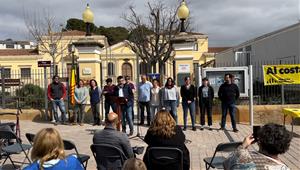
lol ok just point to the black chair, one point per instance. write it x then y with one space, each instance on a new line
164 158
108 156
217 161
15 148
83 158
30 137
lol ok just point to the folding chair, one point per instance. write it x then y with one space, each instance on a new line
164 158
15 148
217 161
108 156
83 158
30 137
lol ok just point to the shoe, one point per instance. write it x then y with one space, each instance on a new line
94 124
142 123
81 124
194 129
55 123
209 128
222 128
184 129
131 133
235 130
74 123
201 128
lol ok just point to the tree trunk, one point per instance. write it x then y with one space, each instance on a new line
154 67
161 71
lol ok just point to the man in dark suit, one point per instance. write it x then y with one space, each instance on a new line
125 98
109 135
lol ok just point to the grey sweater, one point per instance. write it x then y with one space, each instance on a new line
81 95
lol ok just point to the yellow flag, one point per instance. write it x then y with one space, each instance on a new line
72 87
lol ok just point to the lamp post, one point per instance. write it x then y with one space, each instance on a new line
88 18
183 13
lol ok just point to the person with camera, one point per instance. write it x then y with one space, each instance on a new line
272 140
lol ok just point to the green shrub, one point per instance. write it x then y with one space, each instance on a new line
31 96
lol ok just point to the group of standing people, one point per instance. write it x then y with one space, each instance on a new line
151 97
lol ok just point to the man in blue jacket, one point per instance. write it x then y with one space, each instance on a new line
125 98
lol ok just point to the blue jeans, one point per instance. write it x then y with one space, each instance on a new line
171 106
153 110
127 115
231 108
61 105
185 108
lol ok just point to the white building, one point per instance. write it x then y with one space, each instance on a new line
11 44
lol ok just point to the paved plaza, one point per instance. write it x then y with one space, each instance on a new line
200 143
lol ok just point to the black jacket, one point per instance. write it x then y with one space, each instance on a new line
211 95
188 94
228 93
176 141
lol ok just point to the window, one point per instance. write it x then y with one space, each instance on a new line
110 69
25 72
6 73
143 68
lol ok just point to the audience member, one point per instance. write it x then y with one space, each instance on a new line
80 95
48 153
206 97
164 132
95 97
109 135
169 97
134 164
144 88
272 140
188 94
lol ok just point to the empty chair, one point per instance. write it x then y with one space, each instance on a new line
165 158
108 156
83 158
217 161
15 148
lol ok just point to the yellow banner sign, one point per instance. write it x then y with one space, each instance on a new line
281 74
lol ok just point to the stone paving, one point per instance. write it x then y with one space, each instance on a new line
202 143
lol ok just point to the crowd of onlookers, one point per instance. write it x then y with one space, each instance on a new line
151 96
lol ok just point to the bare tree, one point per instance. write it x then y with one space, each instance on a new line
48 35
151 34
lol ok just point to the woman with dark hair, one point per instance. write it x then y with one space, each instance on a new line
169 97
272 140
80 95
95 97
164 132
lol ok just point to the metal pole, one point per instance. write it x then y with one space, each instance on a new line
3 87
45 98
251 94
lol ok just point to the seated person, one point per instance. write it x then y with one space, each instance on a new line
48 153
164 132
109 135
272 140
134 164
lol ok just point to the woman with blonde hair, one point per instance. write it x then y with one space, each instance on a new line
134 164
164 132
48 153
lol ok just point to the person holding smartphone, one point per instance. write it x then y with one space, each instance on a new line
272 140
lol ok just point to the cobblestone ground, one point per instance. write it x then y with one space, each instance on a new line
201 145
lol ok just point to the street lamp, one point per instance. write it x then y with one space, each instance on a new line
183 13
88 18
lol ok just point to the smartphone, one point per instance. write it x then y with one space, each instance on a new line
255 132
